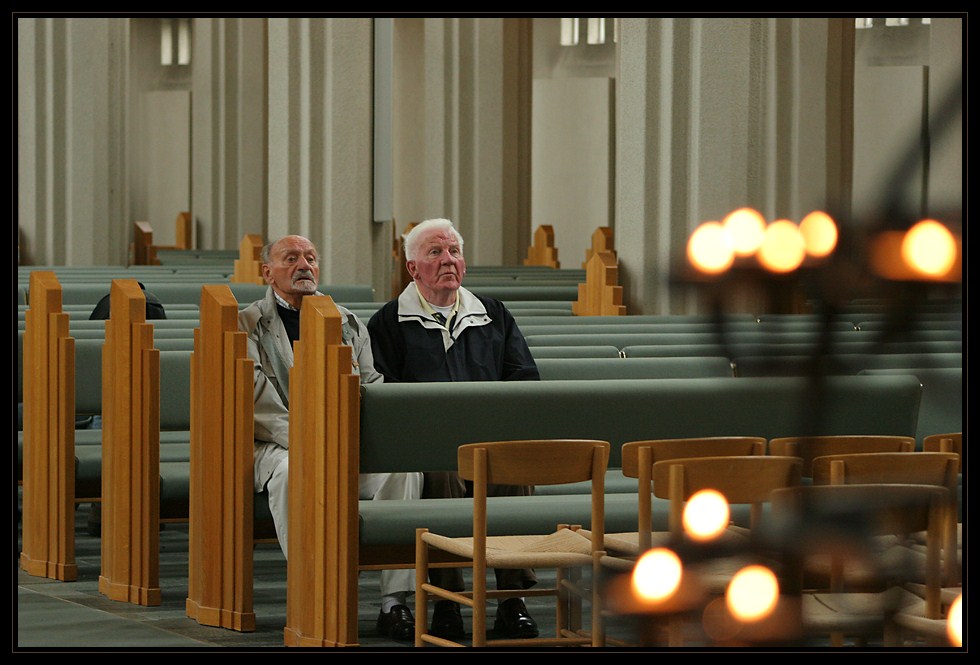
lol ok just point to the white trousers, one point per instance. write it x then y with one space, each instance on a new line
376 486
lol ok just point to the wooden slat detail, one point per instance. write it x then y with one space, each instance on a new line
542 251
221 494
601 294
130 451
48 541
602 241
248 265
324 458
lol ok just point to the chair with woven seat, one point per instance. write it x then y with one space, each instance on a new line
851 526
919 468
809 447
923 468
951 442
531 462
638 458
740 479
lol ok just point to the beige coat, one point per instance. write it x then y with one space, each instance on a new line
269 348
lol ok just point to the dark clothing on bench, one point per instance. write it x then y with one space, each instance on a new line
482 342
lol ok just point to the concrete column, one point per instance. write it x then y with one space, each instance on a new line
320 141
461 133
712 115
228 124
71 131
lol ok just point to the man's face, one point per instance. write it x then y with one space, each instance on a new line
438 267
293 270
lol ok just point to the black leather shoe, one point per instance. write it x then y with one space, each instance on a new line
398 624
447 621
513 620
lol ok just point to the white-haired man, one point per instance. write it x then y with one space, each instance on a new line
436 330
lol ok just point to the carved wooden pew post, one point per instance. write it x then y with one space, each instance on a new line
542 251
601 294
143 253
602 241
324 435
248 267
221 493
184 230
130 451
48 548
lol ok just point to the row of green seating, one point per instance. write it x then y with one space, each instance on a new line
395 424
941 379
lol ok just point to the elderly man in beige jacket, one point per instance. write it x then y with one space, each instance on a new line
290 266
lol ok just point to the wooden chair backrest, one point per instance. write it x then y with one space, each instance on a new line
951 442
535 462
638 455
918 468
861 511
748 479
809 447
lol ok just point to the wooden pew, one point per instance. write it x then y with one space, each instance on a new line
221 494
48 548
323 478
341 431
542 251
144 251
130 451
601 294
602 241
248 266
361 535
142 247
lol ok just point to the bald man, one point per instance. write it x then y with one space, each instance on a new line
290 266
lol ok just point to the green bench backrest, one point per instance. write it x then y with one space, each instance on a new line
419 426
564 369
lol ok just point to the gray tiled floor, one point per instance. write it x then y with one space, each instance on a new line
56 616
53 615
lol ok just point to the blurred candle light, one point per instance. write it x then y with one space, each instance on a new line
710 249
819 234
752 593
954 622
657 575
747 227
929 248
783 248
706 515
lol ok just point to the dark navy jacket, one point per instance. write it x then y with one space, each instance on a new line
481 343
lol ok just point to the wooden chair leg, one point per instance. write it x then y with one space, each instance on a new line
421 595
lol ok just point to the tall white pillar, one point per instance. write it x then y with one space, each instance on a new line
320 141
713 115
461 133
228 124
71 128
